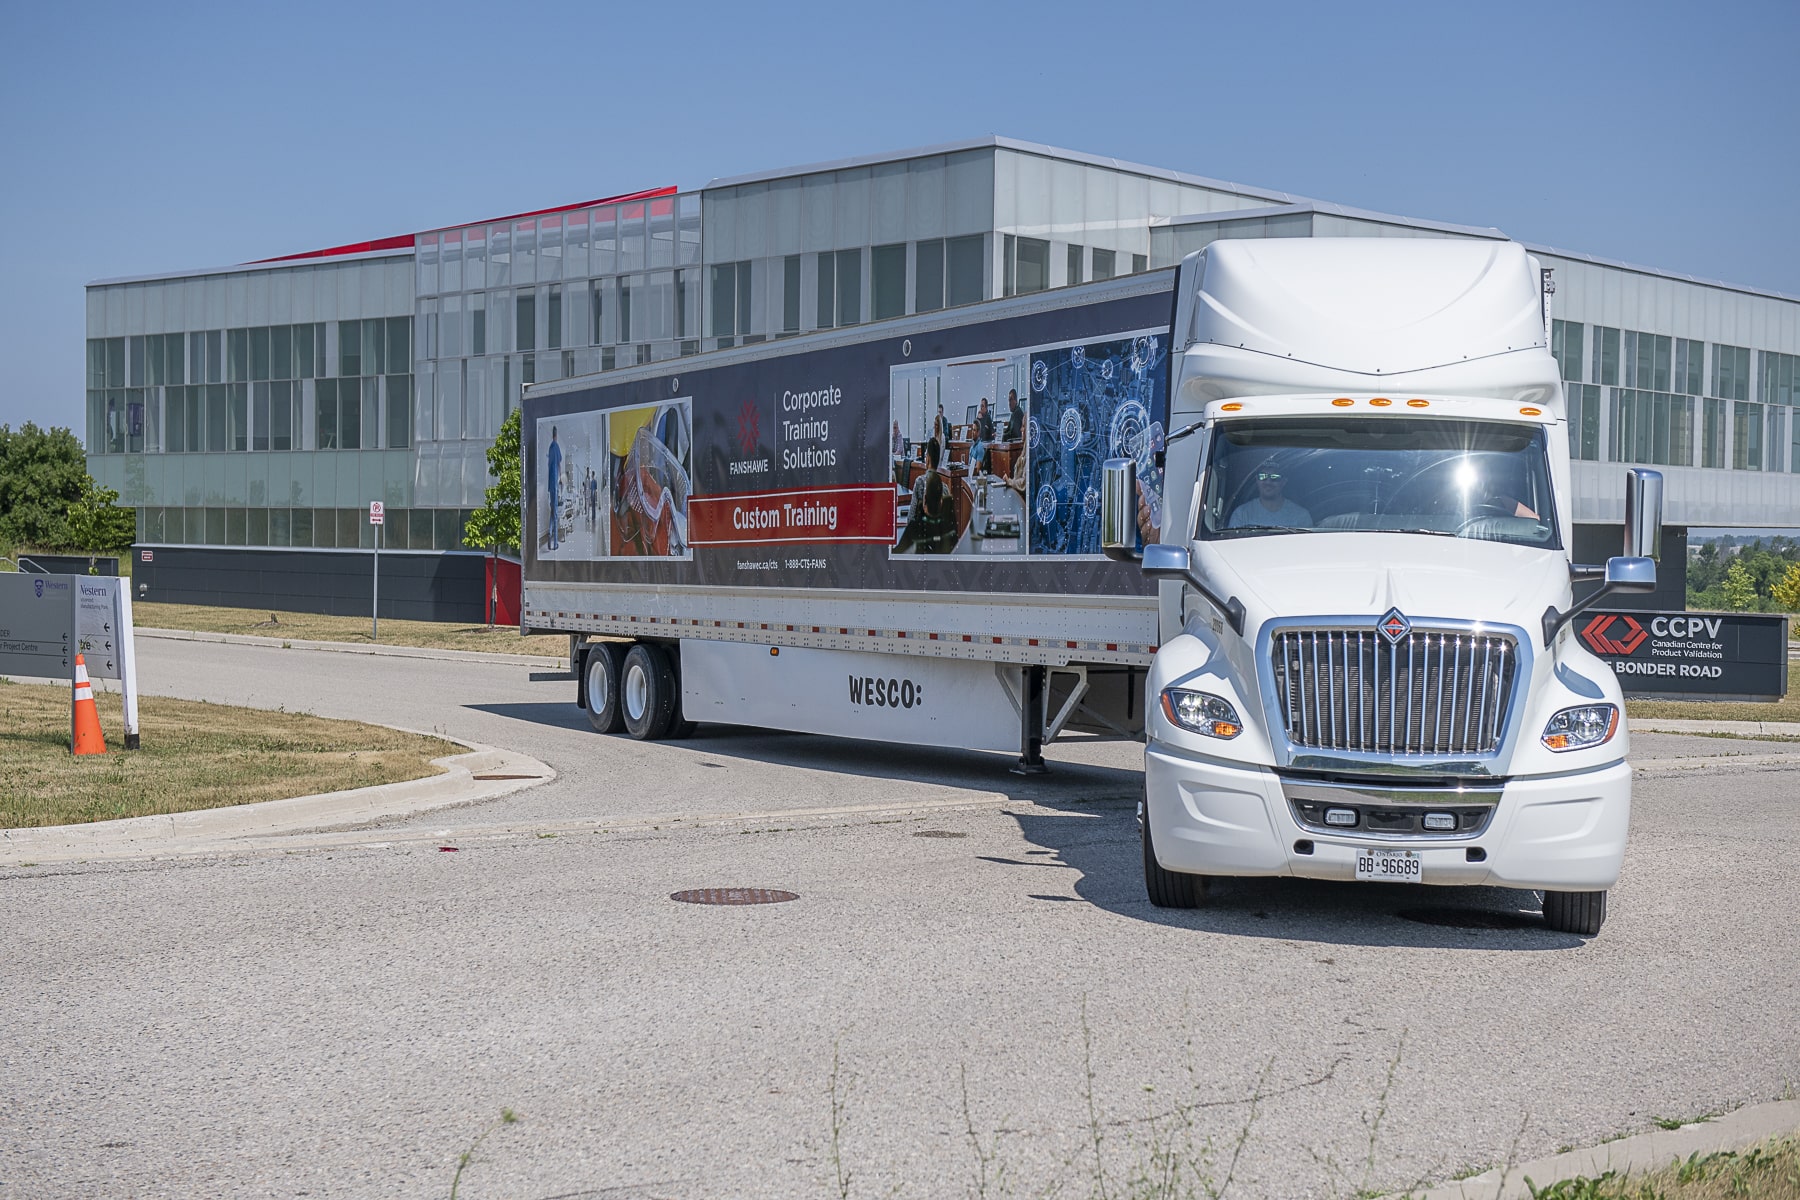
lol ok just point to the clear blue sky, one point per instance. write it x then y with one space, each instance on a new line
144 138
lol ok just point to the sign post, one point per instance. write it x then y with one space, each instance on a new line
377 518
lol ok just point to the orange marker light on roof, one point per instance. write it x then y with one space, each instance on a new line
1343 402
1234 406
1381 402
1418 404
1532 412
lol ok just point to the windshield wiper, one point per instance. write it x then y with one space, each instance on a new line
1253 530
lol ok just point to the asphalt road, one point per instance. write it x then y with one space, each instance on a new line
347 1020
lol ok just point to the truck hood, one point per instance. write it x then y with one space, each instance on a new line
1367 573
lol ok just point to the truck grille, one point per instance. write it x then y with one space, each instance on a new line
1429 693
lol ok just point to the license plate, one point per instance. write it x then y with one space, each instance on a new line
1390 866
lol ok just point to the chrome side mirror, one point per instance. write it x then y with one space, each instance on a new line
1118 510
1630 574
1643 514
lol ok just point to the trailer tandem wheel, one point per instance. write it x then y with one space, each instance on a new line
601 670
647 692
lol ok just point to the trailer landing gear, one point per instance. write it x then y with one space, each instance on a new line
1031 726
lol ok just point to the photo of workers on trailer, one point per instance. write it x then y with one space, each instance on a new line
1000 454
650 472
571 510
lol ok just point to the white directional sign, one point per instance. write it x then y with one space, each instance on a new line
98 602
36 612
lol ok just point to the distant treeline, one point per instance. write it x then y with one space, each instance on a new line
1744 574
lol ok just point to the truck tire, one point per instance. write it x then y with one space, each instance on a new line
600 679
647 692
1575 912
1169 889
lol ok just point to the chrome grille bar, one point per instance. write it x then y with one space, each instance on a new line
1443 693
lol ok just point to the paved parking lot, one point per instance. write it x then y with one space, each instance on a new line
972 951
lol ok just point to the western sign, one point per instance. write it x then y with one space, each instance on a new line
1681 655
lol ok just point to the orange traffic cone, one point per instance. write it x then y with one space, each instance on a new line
88 738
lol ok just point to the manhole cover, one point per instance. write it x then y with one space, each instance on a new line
1470 918
939 833
733 896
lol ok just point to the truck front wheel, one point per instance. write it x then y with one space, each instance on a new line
1169 889
647 692
602 687
1575 912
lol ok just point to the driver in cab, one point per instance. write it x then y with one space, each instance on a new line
1271 507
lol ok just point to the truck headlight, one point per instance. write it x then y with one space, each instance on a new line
1201 712
1579 728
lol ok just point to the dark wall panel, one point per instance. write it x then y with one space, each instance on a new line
416 587
1597 543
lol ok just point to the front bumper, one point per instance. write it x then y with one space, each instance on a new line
1562 832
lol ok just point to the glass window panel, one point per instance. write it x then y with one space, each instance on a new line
154 371
371 412
115 362
887 281
137 362
134 420
475 258
550 248
688 218
259 416
928 272
301 339
96 360
175 425
300 527
237 431
631 237
448 532
687 305
525 320
1140 263
964 269
281 416
280 527
553 319
524 252
724 300
259 352
1073 273
174 345
418 528
1009 266
477 329
197 357
1034 265
575 244
325 408
1746 436
258 532
450 262
603 251
399 411
662 232
790 294
237 355
215 356
746 313
626 328
214 526
374 347
399 344
236 522
349 348
349 430
849 287
427 256
499 272
351 525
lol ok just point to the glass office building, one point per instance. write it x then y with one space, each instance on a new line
265 405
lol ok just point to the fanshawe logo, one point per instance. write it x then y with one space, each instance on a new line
37 588
1594 633
1394 626
749 428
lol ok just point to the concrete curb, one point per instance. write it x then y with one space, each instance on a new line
484 773
1634 1155
1734 728
276 643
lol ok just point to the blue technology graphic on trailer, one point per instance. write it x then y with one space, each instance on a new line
1088 404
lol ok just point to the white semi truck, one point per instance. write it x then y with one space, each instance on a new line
1296 513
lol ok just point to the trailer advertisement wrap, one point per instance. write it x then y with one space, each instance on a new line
956 459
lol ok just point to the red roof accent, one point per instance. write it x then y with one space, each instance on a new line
405 241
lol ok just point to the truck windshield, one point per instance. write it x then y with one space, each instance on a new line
1293 475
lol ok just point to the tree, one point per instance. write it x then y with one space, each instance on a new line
495 525
1787 592
1739 588
95 522
42 472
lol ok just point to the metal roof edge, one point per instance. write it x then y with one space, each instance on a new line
1639 269
1337 210
289 265
997 142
